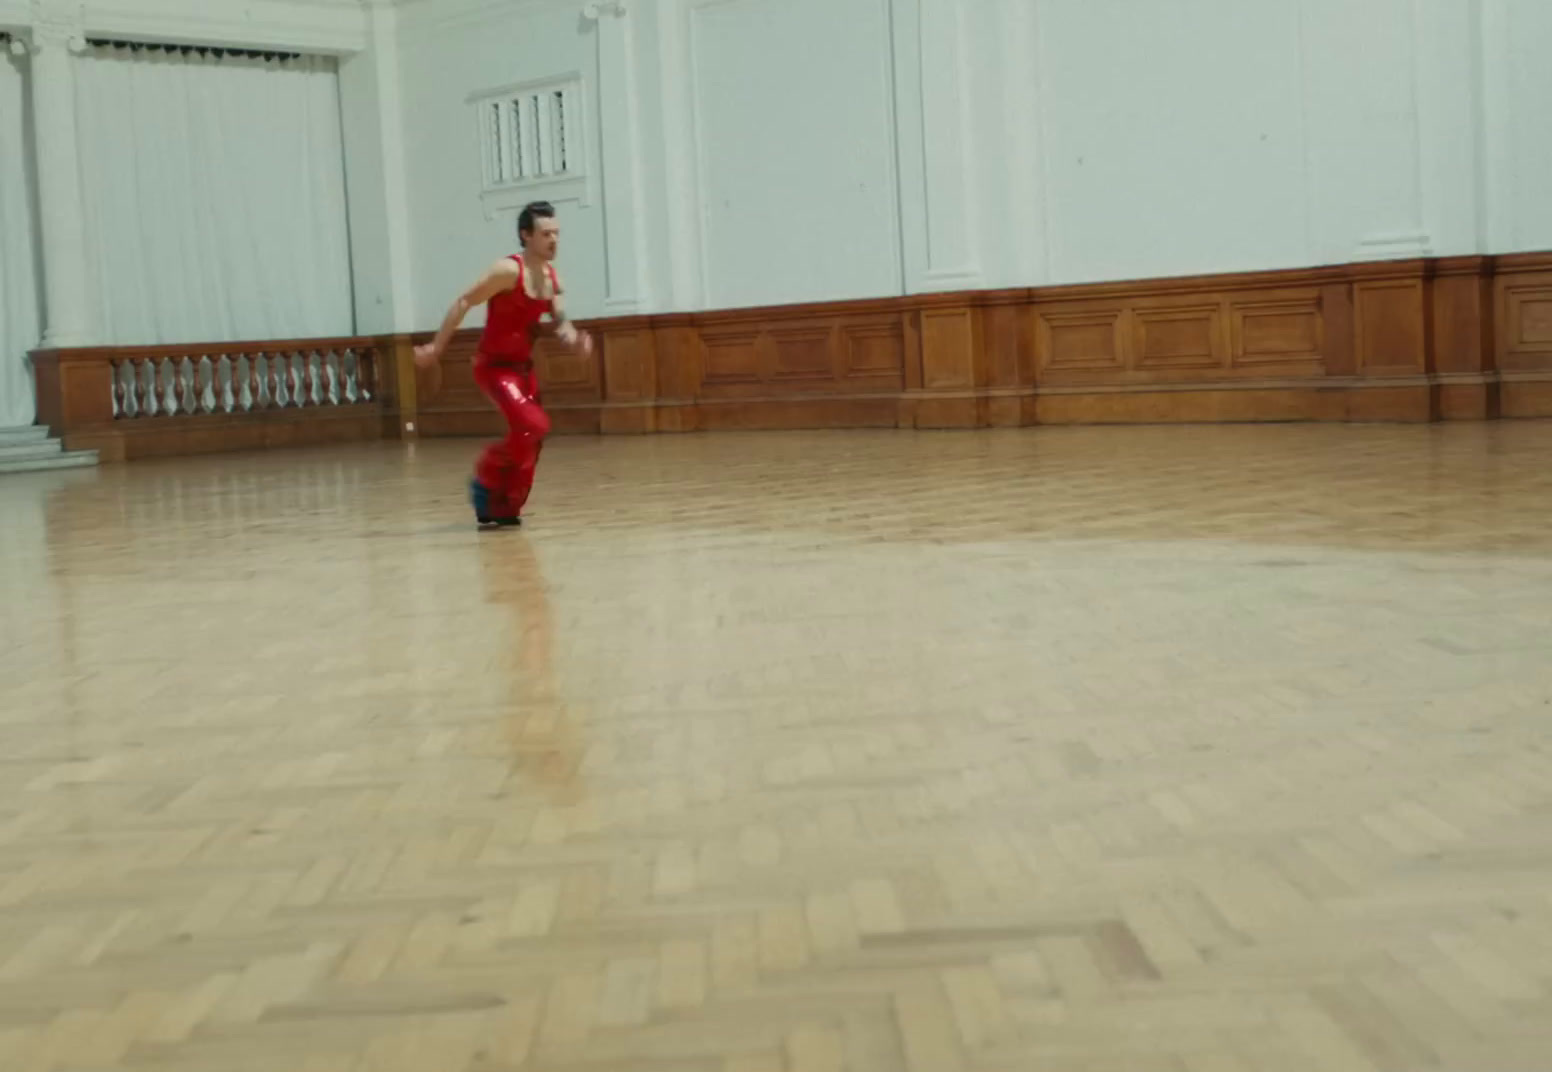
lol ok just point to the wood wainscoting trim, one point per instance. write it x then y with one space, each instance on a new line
1400 340
1453 338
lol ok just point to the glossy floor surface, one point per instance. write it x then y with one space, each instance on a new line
1134 750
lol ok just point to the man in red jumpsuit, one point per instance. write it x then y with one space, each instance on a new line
518 291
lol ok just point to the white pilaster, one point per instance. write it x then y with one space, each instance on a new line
620 135
681 155
61 216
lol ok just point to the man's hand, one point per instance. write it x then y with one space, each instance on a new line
578 342
426 355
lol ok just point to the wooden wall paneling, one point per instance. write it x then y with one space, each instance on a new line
680 362
911 351
566 376
1449 338
948 367
1388 401
1338 331
628 355
1464 361
1391 323
49 391
450 404
1524 329
806 355
401 383
1277 333
1524 396
1525 315
1082 342
1144 405
872 353
75 389
737 359
1171 336
948 348
999 374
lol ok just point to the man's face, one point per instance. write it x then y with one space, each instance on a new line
544 240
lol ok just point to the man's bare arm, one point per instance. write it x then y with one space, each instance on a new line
499 277
565 330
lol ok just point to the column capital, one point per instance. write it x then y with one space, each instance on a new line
594 11
56 25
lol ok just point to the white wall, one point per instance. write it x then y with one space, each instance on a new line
442 61
792 135
1517 39
790 150
762 151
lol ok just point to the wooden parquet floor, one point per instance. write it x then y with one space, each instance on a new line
1086 750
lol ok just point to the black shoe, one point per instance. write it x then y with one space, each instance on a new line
479 498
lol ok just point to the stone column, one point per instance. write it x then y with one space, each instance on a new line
62 218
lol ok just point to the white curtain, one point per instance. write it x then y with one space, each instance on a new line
20 273
215 196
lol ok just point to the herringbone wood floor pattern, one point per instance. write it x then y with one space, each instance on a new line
1134 750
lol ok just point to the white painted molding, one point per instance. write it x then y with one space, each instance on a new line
619 139
681 154
1025 102
954 278
1415 71
427 14
1496 119
324 29
1393 246
510 199
947 118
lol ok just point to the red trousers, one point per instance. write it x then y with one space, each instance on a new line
506 468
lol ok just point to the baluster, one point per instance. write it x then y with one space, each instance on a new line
240 379
368 361
351 367
168 371
117 391
145 387
314 374
331 377
277 378
225 372
205 382
127 389
304 383
190 374
260 363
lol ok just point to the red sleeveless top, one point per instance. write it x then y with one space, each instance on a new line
509 318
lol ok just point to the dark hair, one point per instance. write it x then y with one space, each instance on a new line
537 210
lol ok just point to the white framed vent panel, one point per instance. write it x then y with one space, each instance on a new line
533 143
